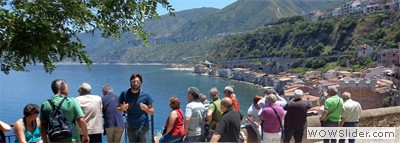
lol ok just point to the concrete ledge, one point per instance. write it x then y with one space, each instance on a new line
380 117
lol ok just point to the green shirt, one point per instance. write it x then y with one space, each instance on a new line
217 113
71 110
334 105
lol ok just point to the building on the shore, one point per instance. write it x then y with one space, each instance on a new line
203 67
214 72
225 73
200 69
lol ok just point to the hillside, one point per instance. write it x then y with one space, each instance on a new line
305 38
244 15
240 16
167 25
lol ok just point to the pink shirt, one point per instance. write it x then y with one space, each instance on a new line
271 122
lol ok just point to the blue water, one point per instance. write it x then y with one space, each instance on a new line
20 88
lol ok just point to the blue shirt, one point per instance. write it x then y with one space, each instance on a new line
137 118
112 118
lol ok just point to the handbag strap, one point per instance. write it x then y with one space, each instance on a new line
135 98
108 103
337 105
279 118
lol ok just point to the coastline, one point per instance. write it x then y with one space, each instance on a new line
230 79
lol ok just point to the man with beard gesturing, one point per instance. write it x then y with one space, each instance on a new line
138 104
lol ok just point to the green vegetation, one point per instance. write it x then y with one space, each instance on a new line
336 39
46 31
296 38
299 38
244 15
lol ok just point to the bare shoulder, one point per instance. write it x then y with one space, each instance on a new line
18 124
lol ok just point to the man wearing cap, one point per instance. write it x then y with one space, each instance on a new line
264 102
296 117
228 92
194 117
91 106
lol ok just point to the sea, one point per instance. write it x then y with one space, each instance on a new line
20 88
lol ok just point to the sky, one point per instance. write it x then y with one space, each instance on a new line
180 5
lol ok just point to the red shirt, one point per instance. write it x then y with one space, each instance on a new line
235 103
177 128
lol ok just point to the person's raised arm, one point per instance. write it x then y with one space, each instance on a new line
4 127
82 124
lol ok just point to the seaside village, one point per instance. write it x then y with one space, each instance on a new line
358 7
372 87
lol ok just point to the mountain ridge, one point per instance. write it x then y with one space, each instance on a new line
200 24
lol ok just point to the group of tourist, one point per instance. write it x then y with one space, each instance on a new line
218 120
269 120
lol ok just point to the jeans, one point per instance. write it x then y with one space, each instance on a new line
328 123
349 124
138 135
200 138
297 133
169 138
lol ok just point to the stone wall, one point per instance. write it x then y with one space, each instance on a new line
365 96
380 117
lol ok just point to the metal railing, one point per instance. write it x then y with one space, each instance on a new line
8 138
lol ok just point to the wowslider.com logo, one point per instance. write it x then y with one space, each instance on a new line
351 132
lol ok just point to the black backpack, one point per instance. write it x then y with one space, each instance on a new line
59 127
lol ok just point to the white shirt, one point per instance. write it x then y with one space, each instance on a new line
264 103
254 112
351 110
91 106
195 111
